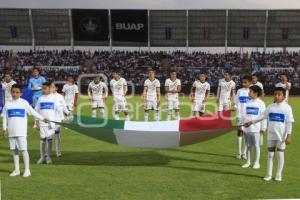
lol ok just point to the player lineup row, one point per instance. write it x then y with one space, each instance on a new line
49 106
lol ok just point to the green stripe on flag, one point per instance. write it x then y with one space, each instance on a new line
91 127
103 123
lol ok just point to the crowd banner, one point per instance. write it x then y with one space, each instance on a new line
27 68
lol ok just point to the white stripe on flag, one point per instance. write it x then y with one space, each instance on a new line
152 126
148 139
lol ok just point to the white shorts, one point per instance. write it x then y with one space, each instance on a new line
224 105
120 104
198 106
173 104
276 143
151 105
46 133
19 143
98 104
252 139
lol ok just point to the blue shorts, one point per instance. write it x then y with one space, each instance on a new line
35 97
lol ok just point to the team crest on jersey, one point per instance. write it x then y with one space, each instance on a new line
227 86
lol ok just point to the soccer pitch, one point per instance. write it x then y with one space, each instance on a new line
91 169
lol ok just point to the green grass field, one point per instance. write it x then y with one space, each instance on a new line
91 169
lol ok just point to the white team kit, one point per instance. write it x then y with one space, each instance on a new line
259 84
6 87
62 107
117 88
173 98
97 92
48 107
254 109
70 91
226 87
283 85
280 117
200 91
151 96
242 98
15 121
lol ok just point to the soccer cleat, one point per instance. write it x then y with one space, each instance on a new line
278 178
41 161
246 165
244 157
256 166
58 154
268 178
14 173
48 160
26 174
239 156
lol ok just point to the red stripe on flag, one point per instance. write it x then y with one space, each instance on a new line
220 120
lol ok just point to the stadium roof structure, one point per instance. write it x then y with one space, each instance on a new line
150 28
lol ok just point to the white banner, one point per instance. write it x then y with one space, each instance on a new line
53 67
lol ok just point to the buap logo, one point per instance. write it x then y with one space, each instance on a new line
90 25
129 26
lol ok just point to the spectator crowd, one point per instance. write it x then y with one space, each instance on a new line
134 65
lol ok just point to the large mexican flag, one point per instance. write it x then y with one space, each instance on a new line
162 134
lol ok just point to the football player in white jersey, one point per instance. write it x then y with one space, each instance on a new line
172 88
284 83
60 116
151 95
6 87
199 93
226 92
118 86
48 107
242 98
97 91
70 93
280 119
15 121
254 109
259 84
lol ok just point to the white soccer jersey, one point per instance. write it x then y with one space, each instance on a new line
283 85
242 97
254 110
259 84
70 92
201 89
97 91
173 86
62 107
225 89
47 106
117 87
6 87
152 88
15 117
279 116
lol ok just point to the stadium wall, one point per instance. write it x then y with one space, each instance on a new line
150 28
